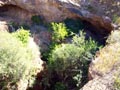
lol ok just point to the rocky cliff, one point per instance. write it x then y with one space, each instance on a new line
94 13
58 10
90 12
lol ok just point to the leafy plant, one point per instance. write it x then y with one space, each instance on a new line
70 59
22 35
89 46
59 31
16 62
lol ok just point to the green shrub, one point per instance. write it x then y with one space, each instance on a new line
59 32
70 59
22 35
15 61
64 57
89 46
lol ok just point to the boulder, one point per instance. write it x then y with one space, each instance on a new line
102 83
105 68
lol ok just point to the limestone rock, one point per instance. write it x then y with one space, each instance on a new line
101 83
42 37
57 10
21 11
104 68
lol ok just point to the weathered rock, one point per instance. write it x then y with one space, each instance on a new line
102 83
57 10
42 37
21 11
3 26
105 67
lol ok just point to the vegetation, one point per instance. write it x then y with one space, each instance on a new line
70 51
15 61
59 33
67 61
22 35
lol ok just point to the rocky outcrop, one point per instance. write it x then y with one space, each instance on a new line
99 18
106 66
58 10
3 26
42 37
105 82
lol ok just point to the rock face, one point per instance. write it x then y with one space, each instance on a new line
21 11
57 10
42 37
3 26
101 83
105 67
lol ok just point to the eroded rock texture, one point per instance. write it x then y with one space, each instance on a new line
57 10
97 14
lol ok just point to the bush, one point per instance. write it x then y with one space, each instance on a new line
89 46
59 32
15 61
69 60
22 35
